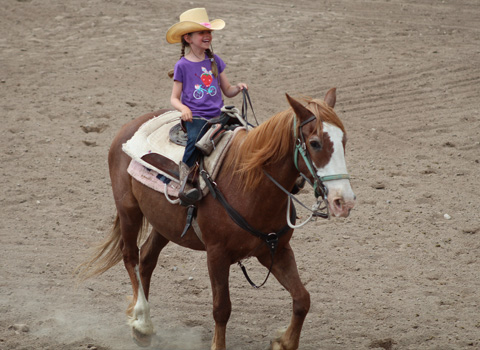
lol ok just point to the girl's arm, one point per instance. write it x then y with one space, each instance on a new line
228 89
177 103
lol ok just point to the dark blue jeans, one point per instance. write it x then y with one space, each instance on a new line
195 130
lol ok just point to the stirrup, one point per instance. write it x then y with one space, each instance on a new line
190 197
187 196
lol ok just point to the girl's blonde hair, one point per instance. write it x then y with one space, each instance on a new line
208 52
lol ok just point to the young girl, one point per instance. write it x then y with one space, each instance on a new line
199 80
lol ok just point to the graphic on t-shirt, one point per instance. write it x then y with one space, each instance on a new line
207 79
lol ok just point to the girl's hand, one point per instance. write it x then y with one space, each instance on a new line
186 114
241 86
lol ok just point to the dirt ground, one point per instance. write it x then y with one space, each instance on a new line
402 272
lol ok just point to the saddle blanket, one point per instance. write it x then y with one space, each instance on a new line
153 137
150 179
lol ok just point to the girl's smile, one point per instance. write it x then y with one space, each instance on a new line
201 39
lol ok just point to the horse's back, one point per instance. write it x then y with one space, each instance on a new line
128 130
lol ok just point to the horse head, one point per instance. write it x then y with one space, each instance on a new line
320 138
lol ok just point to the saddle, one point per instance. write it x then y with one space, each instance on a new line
158 146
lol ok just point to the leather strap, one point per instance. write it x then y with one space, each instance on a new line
270 239
190 215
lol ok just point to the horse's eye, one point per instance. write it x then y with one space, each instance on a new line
316 145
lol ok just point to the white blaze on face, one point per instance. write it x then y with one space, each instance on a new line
341 198
337 164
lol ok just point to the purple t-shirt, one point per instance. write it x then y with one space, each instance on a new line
201 90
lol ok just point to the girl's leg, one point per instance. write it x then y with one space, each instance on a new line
195 130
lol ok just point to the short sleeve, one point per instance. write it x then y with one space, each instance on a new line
178 72
220 64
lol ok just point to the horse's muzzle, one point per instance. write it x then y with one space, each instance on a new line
341 205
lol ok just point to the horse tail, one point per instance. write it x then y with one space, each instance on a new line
107 254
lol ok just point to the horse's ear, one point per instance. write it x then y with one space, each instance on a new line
302 112
331 97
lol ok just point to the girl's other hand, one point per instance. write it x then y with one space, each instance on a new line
187 114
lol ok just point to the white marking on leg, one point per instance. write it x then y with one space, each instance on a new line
140 319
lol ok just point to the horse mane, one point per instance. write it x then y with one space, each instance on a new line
271 142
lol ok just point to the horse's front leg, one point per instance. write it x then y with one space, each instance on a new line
219 270
285 271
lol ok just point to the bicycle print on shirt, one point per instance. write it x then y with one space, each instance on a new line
207 79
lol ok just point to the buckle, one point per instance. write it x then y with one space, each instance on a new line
272 241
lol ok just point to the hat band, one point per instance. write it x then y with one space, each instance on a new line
206 24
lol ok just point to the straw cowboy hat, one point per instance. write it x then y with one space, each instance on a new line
194 20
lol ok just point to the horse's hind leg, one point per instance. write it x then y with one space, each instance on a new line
149 257
140 321
131 221
285 270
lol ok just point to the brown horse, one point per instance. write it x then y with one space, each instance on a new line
255 161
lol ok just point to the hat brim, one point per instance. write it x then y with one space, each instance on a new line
175 32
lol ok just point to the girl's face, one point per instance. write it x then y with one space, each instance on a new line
201 39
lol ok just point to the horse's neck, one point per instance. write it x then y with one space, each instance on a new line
262 193
267 197
284 173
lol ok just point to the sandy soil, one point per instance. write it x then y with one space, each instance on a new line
402 272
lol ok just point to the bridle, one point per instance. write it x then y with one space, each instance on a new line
320 190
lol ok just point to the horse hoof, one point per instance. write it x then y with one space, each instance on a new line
276 345
142 340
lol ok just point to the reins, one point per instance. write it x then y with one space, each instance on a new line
315 210
246 98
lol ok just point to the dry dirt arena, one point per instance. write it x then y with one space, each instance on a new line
402 272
